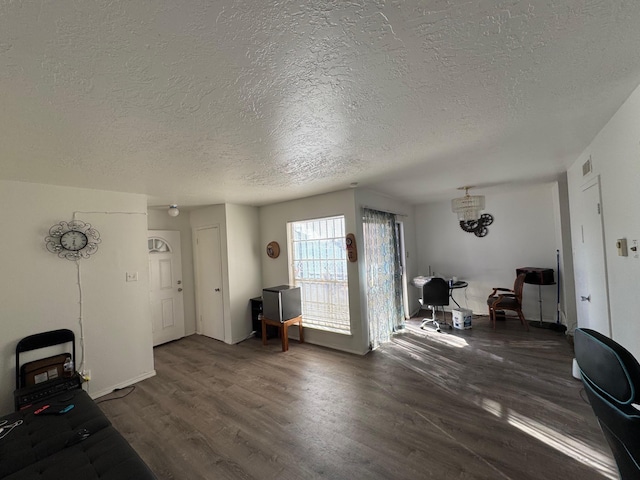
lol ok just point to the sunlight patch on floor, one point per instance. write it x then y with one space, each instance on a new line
565 444
440 337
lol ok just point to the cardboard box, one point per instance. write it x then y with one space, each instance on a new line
45 369
461 318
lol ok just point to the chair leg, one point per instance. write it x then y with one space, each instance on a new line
522 320
492 318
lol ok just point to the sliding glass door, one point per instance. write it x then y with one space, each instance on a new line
385 310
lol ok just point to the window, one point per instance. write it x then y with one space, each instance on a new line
318 265
158 245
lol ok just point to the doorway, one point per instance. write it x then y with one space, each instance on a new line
592 296
208 267
165 285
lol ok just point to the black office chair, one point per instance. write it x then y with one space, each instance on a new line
611 376
435 292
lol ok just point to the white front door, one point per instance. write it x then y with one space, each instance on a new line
592 297
209 283
165 285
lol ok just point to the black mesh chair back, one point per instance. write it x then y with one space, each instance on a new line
435 292
611 376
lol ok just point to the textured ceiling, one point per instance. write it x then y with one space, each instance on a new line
253 102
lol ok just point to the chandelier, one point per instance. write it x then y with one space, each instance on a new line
469 206
468 209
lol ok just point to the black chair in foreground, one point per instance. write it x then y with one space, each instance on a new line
435 293
611 376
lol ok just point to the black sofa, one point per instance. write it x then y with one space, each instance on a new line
80 444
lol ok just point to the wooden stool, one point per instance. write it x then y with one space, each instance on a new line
282 330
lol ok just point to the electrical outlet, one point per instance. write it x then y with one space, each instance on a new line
132 276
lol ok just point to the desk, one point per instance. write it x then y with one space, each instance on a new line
455 286
419 282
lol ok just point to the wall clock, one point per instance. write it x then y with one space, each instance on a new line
73 240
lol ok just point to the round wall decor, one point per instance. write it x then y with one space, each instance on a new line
273 249
73 240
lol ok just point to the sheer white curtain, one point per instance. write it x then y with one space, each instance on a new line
385 310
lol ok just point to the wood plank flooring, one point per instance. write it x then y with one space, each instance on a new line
463 404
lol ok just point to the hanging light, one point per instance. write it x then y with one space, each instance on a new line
468 207
173 211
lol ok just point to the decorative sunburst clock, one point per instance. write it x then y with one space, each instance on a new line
73 240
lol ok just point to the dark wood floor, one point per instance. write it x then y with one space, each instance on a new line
472 404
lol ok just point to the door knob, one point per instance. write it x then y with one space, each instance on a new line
585 299
179 289
179 282
217 289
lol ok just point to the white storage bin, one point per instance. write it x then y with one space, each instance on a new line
461 318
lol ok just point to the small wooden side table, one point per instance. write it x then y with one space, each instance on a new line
282 330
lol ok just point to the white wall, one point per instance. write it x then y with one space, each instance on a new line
158 219
275 271
39 291
273 227
568 313
240 259
243 245
615 154
523 235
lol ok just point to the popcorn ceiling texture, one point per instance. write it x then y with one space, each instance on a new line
256 102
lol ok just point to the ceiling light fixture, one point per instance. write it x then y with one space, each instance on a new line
469 206
468 209
173 211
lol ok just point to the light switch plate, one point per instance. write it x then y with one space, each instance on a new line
621 245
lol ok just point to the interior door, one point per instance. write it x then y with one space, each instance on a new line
209 283
165 285
589 263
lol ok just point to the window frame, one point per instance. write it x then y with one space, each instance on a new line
325 291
